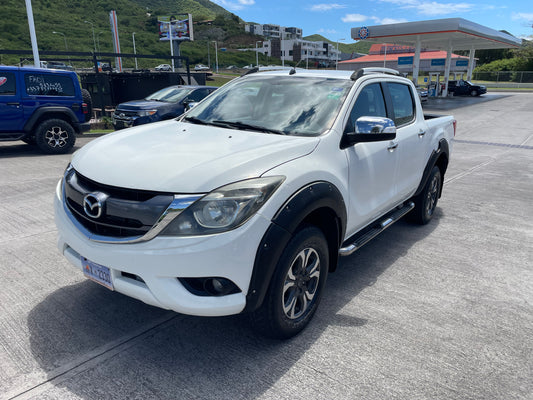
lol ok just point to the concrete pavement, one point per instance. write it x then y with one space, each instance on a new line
443 311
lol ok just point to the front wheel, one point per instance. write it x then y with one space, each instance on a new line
296 286
426 201
55 136
474 93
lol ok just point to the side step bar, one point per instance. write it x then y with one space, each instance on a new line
366 235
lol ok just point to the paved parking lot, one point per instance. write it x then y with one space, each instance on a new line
443 311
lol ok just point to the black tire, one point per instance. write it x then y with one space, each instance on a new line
426 201
296 286
29 140
87 99
474 93
55 136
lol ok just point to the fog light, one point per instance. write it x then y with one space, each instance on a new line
212 286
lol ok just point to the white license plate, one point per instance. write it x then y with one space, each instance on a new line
97 273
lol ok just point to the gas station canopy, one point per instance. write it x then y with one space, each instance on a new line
457 33
445 34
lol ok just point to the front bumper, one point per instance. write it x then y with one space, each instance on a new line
162 260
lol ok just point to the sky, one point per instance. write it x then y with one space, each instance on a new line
335 19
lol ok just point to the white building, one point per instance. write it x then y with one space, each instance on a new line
272 31
315 54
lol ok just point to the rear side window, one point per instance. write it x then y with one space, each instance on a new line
49 85
7 83
402 103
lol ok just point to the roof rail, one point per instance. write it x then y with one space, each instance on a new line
373 70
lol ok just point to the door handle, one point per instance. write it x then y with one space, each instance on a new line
13 103
421 133
392 146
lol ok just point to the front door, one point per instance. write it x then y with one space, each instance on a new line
11 111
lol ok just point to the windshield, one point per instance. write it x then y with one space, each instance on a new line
290 105
170 94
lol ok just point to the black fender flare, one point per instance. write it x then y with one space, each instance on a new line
318 202
438 157
57 112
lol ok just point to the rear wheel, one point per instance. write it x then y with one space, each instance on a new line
426 201
55 136
296 287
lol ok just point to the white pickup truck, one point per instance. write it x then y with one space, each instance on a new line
245 203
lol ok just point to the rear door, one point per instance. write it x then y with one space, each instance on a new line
11 110
411 138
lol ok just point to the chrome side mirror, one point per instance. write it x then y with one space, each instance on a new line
370 129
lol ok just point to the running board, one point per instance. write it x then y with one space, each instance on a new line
360 239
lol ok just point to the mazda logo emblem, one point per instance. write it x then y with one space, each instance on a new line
94 203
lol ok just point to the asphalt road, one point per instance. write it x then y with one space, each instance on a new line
443 311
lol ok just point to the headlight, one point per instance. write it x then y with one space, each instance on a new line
146 113
225 208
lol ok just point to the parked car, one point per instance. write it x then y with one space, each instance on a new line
42 106
422 94
201 67
245 204
56 65
166 103
462 88
163 67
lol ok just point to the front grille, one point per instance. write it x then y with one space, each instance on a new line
127 114
125 212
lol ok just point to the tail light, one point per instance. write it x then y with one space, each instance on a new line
84 108
454 127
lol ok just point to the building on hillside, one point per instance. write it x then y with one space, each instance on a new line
401 58
272 31
308 53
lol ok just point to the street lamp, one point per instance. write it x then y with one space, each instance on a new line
257 53
94 38
134 51
337 60
98 40
216 54
64 37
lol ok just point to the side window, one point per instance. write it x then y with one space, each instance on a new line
198 94
402 103
369 103
7 84
49 85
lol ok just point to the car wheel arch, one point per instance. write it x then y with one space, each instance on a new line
318 204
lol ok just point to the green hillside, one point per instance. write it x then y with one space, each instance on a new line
68 19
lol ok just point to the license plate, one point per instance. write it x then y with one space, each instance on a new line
97 273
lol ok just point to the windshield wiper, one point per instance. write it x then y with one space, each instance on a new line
242 125
195 120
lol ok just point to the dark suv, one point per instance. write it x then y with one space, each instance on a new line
462 88
166 103
43 107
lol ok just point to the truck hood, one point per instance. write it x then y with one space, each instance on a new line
177 157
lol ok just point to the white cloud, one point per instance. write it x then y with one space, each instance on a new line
432 8
328 31
522 16
239 5
326 7
354 18
386 21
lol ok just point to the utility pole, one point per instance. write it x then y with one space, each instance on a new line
94 37
134 50
33 36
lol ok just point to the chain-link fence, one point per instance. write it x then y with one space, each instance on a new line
511 77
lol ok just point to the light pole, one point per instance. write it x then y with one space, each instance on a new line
98 40
64 37
94 38
257 53
216 54
337 60
134 51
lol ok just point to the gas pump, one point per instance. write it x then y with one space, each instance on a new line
434 84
